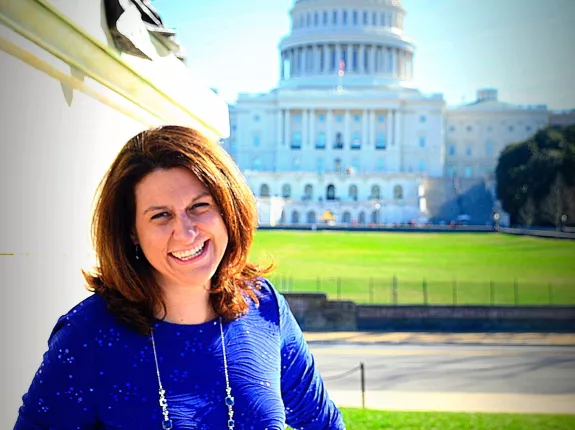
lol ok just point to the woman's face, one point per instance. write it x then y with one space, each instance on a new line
179 228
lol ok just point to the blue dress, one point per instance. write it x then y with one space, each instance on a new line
99 374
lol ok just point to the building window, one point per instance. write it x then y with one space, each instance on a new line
295 217
356 118
422 118
338 141
469 128
489 147
451 128
511 129
286 191
489 128
321 118
257 164
375 192
256 140
422 141
381 118
337 165
451 149
421 165
451 171
256 118
344 17
398 192
361 218
297 117
380 165
468 150
330 192
339 118
310 217
356 140
308 192
321 140
528 128
264 190
346 217
355 17
316 19
374 18
334 17
382 19
380 141
296 142
467 171
325 18
353 192
365 18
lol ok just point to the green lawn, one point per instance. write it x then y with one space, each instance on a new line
365 419
462 267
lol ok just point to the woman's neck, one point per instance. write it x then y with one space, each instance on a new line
187 305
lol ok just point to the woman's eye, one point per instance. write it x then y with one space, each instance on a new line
202 205
160 215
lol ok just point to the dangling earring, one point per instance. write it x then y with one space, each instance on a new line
137 252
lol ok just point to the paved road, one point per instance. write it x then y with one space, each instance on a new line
455 377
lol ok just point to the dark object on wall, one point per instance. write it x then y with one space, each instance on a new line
131 21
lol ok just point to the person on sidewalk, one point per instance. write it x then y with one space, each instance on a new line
182 331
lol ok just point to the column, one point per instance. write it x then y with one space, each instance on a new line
291 62
371 64
347 134
279 128
364 125
361 55
304 125
303 52
337 56
397 131
326 59
349 57
372 127
394 62
287 119
282 76
329 129
312 136
390 120
318 58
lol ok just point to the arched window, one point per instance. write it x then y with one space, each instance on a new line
353 192
311 217
346 217
337 165
398 192
330 192
283 217
361 218
338 141
308 192
264 190
286 191
375 192
257 164
295 217
374 217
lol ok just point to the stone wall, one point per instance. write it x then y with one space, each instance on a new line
315 313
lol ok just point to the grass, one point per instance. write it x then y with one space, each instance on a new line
366 419
476 268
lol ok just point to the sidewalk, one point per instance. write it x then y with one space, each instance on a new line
456 402
396 338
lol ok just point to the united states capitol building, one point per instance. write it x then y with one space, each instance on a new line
347 138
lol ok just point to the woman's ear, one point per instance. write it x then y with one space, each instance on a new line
134 239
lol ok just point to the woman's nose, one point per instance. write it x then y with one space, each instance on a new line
186 228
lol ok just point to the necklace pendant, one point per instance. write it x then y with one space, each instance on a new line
167 424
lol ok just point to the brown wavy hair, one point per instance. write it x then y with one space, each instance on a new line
127 283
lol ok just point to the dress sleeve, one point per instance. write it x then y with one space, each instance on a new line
306 400
62 393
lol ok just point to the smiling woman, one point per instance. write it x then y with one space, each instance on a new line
182 331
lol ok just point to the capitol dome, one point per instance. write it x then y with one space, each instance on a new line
346 43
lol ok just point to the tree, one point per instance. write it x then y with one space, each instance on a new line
536 178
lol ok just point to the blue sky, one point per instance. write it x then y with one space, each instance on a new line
525 48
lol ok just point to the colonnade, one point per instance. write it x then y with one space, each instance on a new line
309 120
324 59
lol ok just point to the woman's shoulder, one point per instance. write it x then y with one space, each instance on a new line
270 299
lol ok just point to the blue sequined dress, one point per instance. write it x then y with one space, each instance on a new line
99 374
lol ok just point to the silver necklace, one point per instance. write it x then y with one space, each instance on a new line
229 400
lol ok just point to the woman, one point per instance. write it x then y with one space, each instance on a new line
182 332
